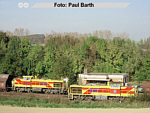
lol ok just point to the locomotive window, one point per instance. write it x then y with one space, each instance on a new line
24 78
57 84
28 78
76 90
104 83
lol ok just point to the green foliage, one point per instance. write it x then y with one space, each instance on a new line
66 56
49 60
12 57
34 57
3 47
144 71
24 49
63 68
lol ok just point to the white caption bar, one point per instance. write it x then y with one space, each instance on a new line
112 5
96 5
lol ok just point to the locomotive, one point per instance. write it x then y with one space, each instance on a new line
100 92
31 84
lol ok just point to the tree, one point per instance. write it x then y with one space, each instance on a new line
49 60
3 50
63 68
3 43
143 73
34 57
24 50
12 59
21 32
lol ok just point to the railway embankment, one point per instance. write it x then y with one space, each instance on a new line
62 101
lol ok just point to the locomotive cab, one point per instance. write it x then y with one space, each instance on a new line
27 77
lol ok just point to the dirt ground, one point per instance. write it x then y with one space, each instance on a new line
9 109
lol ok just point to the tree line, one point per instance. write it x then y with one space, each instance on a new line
66 56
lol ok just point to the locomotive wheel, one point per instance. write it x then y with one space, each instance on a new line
46 91
18 89
29 90
83 97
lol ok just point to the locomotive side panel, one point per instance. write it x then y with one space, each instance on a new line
47 86
95 91
22 83
128 91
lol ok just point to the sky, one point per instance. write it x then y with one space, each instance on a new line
134 19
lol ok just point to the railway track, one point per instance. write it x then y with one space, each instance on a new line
24 94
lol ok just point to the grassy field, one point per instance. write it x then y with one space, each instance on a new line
54 101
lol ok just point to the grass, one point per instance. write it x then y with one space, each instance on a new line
142 101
